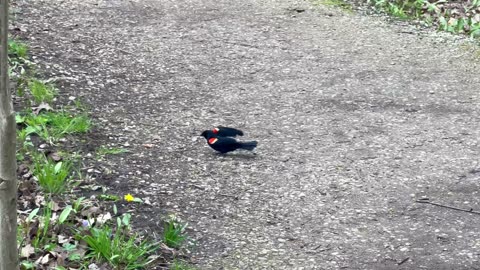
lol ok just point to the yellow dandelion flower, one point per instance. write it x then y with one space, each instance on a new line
129 197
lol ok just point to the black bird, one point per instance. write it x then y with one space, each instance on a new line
227 132
226 144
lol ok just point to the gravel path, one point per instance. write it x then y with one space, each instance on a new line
356 119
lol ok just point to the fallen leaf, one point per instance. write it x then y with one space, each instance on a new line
89 211
42 106
62 239
61 258
101 219
55 156
26 251
93 267
147 201
39 200
22 168
43 260
53 205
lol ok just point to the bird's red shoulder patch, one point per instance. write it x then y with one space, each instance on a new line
216 130
212 140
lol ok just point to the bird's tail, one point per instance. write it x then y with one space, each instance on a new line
249 145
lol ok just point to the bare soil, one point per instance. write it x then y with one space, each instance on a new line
356 119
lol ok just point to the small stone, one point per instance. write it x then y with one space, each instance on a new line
264 252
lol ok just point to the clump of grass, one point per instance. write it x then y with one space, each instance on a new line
41 92
80 105
17 58
104 150
402 9
180 265
52 176
17 49
119 248
334 3
42 236
52 126
109 197
63 123
23 142
173 234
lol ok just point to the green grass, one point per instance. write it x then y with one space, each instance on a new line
104 150
52 126
108 197
438 13
181 265
52 176
62 123
42 236
402 9
41 92
119 248
17 58
24 143
173 234
23 135
17 49
80 105
334 3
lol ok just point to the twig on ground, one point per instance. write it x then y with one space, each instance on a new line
427 201
403 261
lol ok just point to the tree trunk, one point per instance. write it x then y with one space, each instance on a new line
8 177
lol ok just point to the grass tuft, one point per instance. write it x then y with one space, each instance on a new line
335 3
52 126
52 176
104 150
173 234
63 123
181 265
120 250
17 49
41 92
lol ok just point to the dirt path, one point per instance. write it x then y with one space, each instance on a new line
356 120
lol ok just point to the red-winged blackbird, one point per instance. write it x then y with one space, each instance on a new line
226 144
227 132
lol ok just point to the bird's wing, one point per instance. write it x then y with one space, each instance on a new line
222 141
227 131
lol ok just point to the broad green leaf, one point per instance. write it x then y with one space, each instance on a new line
65 213
126 219
460 24
58 167
27 265
32 214
19 119
31 129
